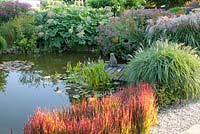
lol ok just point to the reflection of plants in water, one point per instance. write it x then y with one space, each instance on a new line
3 76
30 78
35 79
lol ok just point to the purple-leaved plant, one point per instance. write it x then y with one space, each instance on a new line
10 9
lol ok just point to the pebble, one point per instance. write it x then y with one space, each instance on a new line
177 118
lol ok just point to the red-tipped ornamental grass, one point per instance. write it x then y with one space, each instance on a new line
132 110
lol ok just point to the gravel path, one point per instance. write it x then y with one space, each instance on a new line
177 119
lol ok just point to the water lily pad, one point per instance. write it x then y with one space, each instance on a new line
47 77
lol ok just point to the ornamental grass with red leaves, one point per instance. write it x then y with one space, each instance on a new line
132 110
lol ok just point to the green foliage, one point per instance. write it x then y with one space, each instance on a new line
126 34
116 3
46 4
134 3
7 31
99 3
169 67
70 27
176 9
168 3
25 32
166 97
3 43
89 79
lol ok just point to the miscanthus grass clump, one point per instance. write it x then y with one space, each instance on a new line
172 69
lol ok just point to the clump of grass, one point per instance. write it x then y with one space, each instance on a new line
3 43
130 111
171 68
181 29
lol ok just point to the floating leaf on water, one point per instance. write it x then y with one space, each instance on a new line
76 90
47 77
67 88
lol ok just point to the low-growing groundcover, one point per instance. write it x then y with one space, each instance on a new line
172 69
130 111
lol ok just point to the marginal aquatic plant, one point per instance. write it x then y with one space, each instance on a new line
130 111
167 66
45 122
89 78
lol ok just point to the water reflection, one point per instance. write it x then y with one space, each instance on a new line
45 65
23 91
3 82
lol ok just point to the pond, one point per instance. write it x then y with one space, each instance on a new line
21 92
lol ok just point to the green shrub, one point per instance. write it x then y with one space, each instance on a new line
168 3
3 43
7 31
26 38
99 3
89 79
133 3
68 28
116 5
126 34
169 67
177 10
122 3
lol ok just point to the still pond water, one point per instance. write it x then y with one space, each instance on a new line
21 92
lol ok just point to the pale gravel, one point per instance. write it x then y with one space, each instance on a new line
178 118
